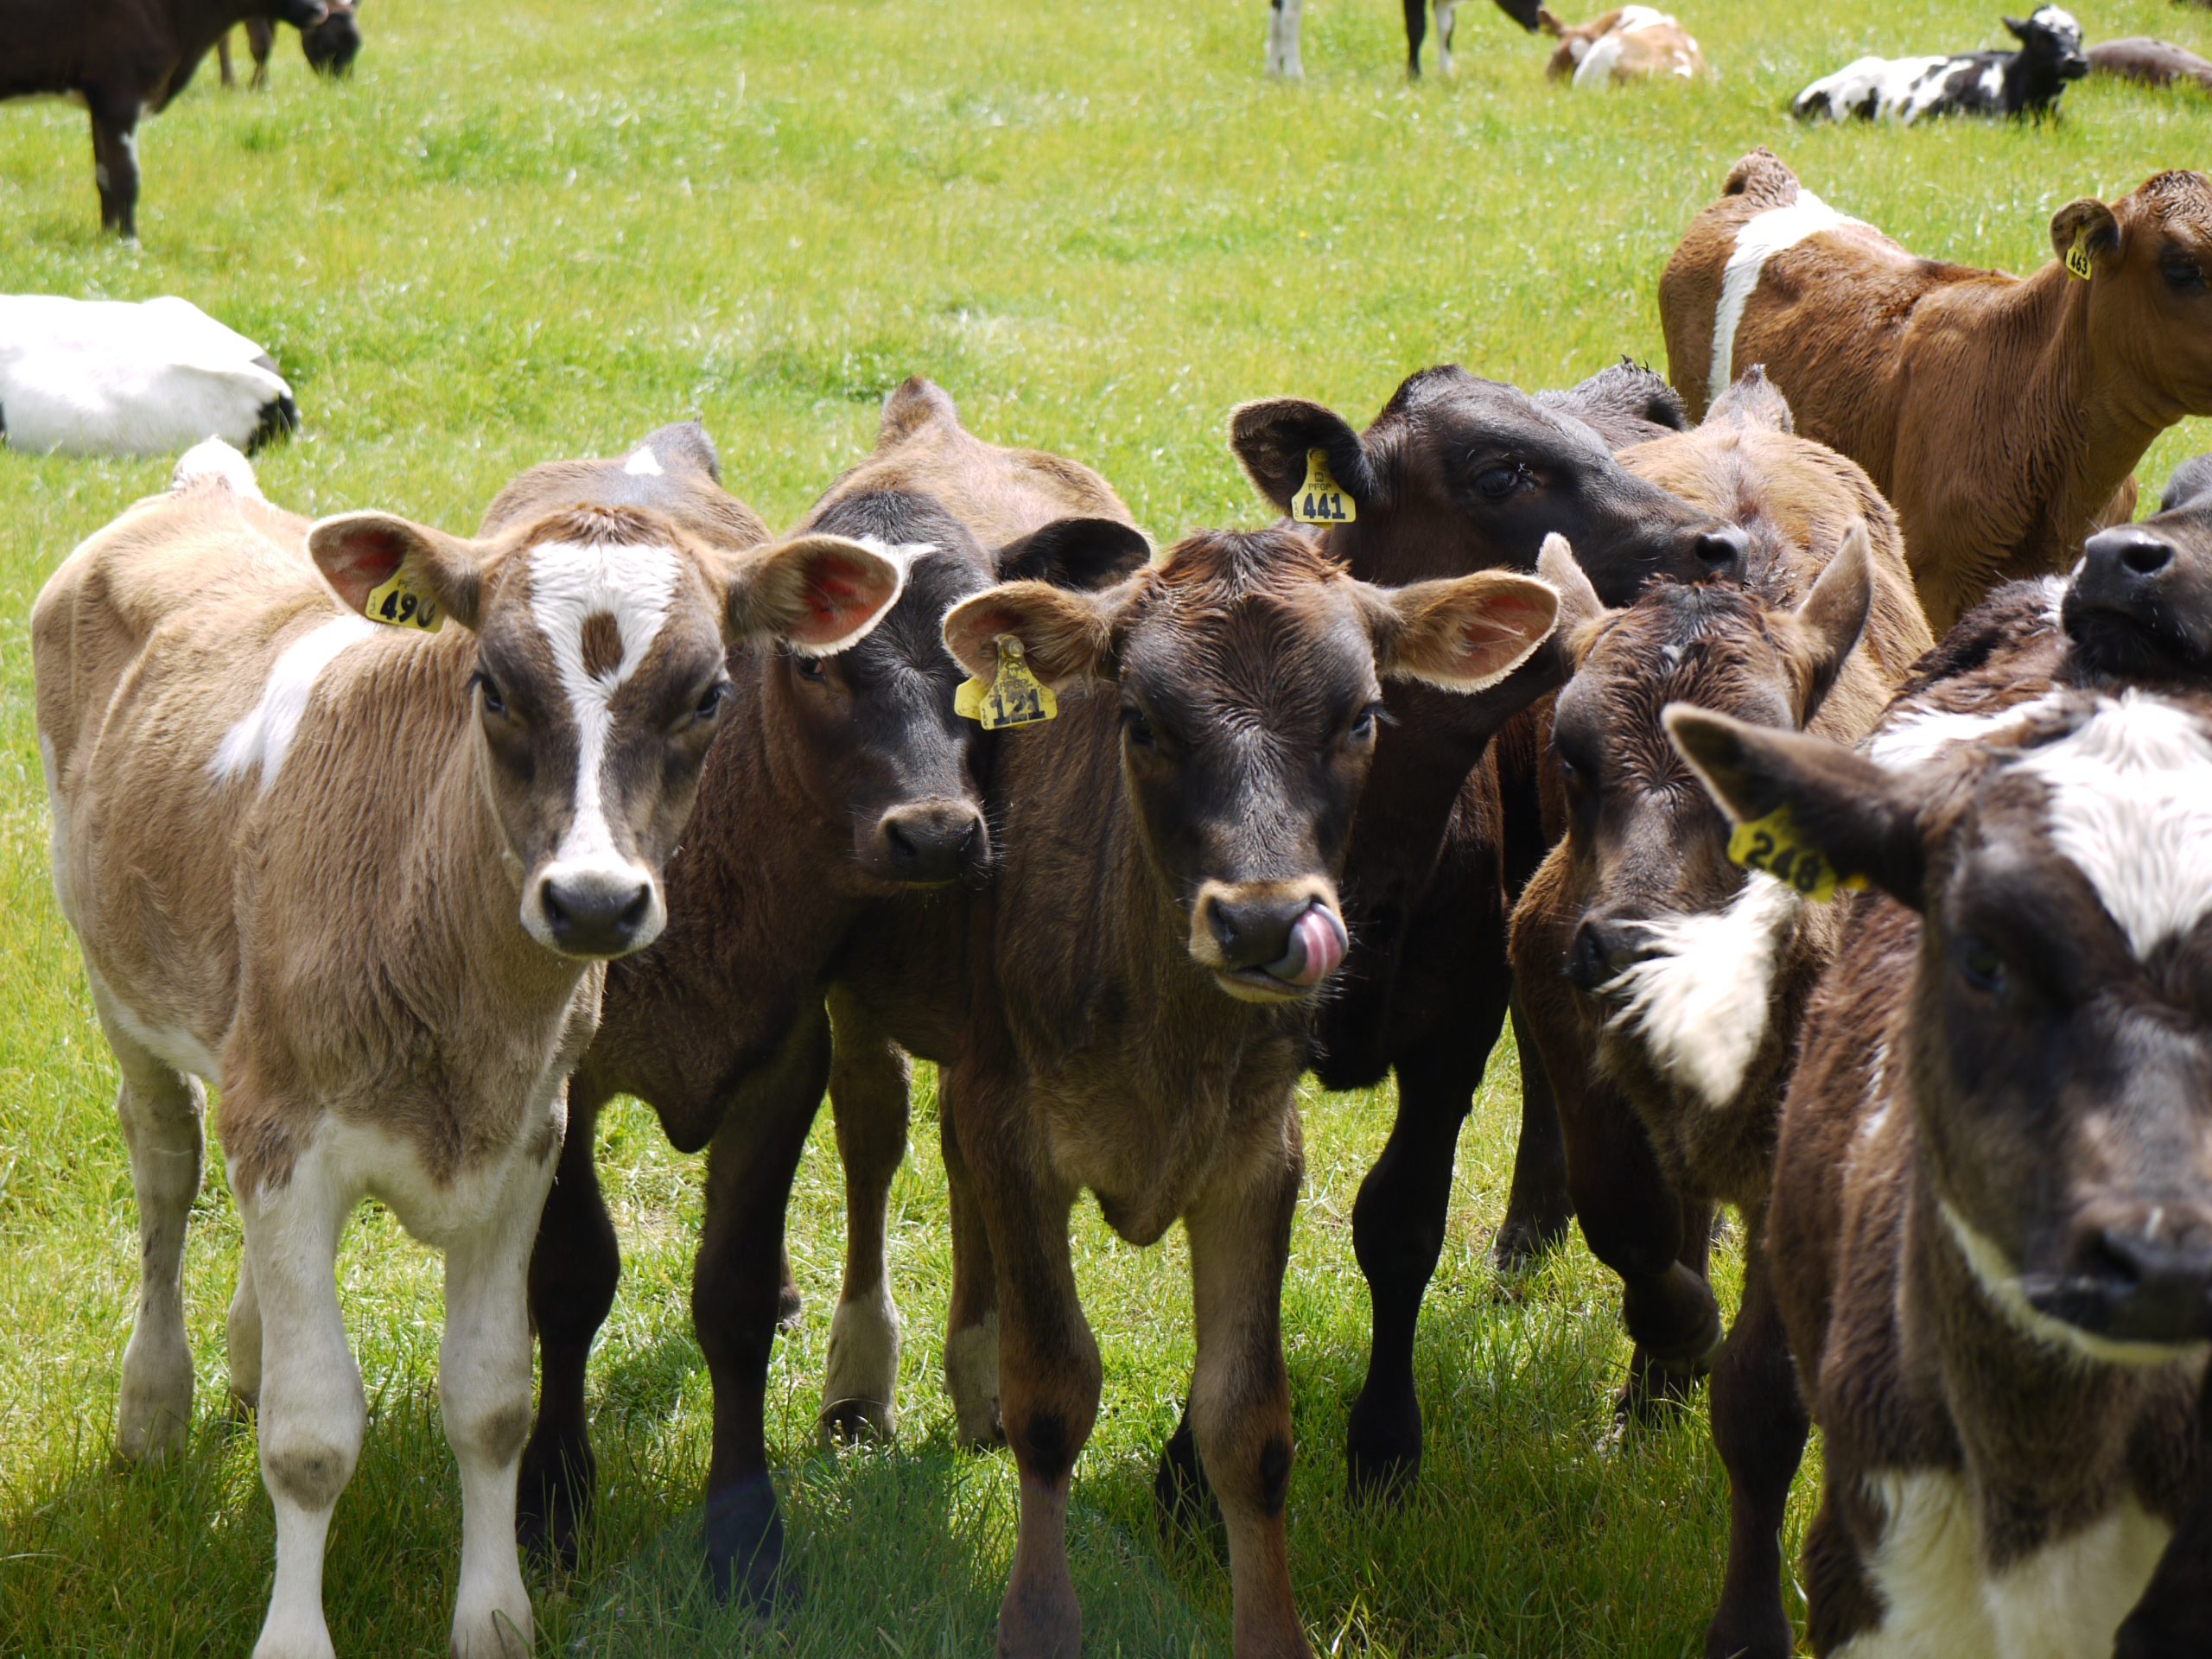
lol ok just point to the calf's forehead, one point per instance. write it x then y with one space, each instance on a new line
1283 658
595 613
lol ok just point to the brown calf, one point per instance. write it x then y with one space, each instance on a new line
1990 1240
2002 417
1663 985
1164 907
840 822
363 879
2155 63
1628 43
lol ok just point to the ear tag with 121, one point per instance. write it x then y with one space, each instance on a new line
1015 697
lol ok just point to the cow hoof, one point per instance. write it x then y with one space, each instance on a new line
1653 1394
857 1422
1760 1634
1184 1496
1523 1241
791 1307
745 1546
553 1502
1381 1448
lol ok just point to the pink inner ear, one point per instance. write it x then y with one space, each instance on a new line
1501 631
840 593
363 562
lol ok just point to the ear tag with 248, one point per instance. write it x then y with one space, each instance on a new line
1775 845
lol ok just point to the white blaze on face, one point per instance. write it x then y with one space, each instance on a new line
568 584
1759 241
264 736
643 463
2130 807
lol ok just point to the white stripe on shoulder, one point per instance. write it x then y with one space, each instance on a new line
264 736
1917 738
1758 240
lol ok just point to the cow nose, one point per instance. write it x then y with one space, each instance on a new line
596 913
2137 1283
1603 951
1298 940
1724 553
2126 555
933 843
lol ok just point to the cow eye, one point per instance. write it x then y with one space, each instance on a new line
811 668
494 704
1138 727
711 704
2181 271
1496 483
1980 966
1364 723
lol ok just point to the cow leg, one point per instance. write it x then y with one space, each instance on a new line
1285 21
1759 1426
2177 1605
223 58
869 1077
1538 1209
574 1265
1416 28
484 1393
114 161
311 1415
261 41
735 1288
242 1335
163 1117
1447 17
971 1324
1397 1225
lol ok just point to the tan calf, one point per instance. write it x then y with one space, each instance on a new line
2003 416
363 879
1628 43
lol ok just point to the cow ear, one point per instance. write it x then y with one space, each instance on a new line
1465 634
915 402
1832 617
2091 223
819 593
358 553
1272 438
1079 553
1863 818
1064 636
1580 607
1550 23
2019 30
1753 400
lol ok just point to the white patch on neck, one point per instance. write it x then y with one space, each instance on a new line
264 736
1999 1281
1914 739
643 463
2131 806
568 584
1702 1002
214 458
1759 240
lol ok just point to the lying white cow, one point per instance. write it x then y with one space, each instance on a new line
110 378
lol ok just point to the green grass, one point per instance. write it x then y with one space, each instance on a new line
536 229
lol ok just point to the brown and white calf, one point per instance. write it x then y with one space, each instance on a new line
1145 961
363 879
1990 1238
1629 43
2003 416
841 822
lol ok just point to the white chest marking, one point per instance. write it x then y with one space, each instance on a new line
1914 739
264 736
1759 241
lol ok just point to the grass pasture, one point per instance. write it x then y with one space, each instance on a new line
541 227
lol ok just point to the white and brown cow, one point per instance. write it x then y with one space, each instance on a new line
1991 1231
1628 43
363 879
2003 416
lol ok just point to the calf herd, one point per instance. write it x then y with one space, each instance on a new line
1566 709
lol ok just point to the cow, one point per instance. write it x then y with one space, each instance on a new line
122 58
2025 82
817 918
1629 43
2152 63
1286 20
1143 967
1662 984
1624 404
329 47
1989 1235
364 879
2002 417
112 378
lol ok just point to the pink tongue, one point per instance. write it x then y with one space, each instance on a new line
1320 946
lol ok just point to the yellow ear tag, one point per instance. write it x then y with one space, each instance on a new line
1773 845
1320 499
398 603
1014 697
2078 262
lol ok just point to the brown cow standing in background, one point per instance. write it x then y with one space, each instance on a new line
2002 417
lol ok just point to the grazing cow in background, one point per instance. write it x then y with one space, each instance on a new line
2002 417
1286 19
122 58
2027 81
1662 984
2155 63
109 378
364 878
329 47
1628 44
1990 1240
840 830
1145 1045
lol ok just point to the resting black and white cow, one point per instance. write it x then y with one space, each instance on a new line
109 378
1285 18
122 58
2024 82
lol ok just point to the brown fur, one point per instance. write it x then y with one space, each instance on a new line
2154 63
1659 50
2002 417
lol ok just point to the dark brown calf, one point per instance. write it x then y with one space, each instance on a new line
1165 905
1991 1232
